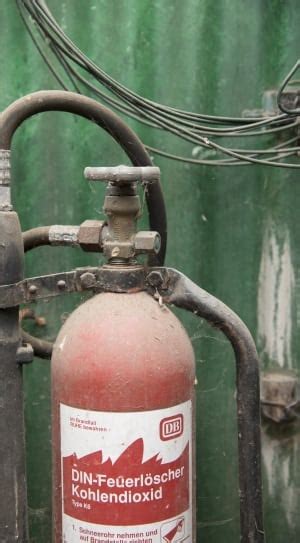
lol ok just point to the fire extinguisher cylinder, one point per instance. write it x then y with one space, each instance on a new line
123 373
123 380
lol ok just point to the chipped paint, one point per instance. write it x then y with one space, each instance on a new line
280 460
275 291
280 450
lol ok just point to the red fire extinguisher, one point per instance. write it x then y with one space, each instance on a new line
122 382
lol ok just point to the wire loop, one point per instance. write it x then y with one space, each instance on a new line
286 81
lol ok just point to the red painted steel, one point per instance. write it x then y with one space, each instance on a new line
118 353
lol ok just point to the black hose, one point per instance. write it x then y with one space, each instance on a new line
20 110
36 237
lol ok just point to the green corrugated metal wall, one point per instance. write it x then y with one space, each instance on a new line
233 231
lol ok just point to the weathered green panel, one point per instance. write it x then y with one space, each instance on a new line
234 231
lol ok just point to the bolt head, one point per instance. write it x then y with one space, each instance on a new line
33 289
61 284
87 280
155 279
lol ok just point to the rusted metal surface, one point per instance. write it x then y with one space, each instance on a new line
91 236
122 212
108 278
37 288
122 207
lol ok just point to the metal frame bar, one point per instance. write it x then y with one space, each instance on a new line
174 288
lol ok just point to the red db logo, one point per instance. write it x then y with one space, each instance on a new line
171 427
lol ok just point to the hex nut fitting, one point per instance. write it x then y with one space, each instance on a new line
147 242
155 279
90 235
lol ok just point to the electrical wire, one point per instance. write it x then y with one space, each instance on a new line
288 80
193 127
70 50
207 162
43 10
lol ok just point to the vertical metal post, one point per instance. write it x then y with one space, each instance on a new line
13 499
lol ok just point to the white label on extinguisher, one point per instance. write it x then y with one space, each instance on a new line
127 477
